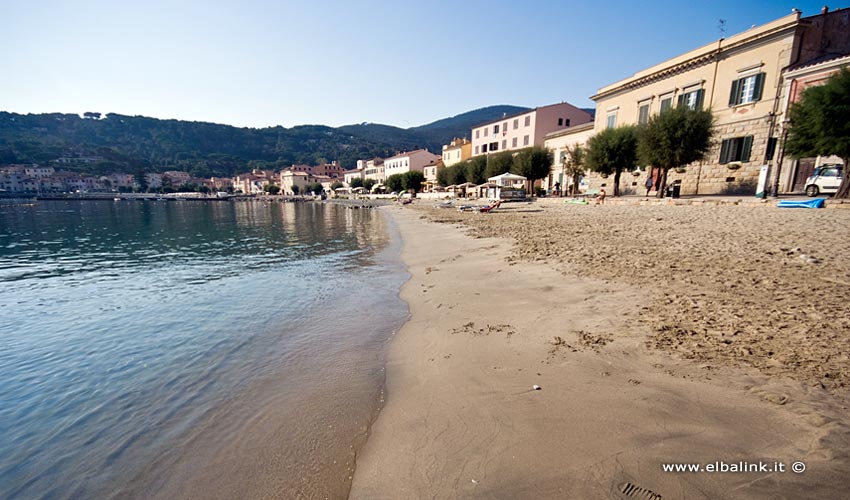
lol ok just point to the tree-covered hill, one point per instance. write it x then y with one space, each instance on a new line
133 143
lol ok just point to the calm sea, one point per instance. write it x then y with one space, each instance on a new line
190 349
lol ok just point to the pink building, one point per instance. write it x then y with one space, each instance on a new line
525 129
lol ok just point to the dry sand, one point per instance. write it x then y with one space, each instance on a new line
622 316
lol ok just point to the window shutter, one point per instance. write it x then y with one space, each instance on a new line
759 86
724 151
733 96
681 101
746 148
700 98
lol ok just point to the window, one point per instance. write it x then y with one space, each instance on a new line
643 114
527 121
525 141
486 130
747 89
611 120
737 149
566 122
516 124
504 128
476 134
476 149
666 103
504 144
513 142
495 129
494 146
771 148
560 122
484 148
692 99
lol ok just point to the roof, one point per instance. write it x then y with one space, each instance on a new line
408 153
829 58
508 177
570 130
702 55
507 117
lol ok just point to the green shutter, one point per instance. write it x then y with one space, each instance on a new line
746 148
733 96
700 98
758 87
724 151
681 101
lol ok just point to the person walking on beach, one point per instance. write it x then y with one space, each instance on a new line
648 184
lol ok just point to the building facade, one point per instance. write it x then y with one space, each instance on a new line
409 161
525 129
456 151
740 79
557 143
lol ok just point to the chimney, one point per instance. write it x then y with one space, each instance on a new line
825 9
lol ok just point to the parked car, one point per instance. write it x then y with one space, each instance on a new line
825 179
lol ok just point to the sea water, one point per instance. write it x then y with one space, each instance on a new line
190 349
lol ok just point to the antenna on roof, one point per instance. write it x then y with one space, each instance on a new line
721 27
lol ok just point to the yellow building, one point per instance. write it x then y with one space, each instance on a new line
740 79
456 151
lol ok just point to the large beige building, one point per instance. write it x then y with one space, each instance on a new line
525 129
740 79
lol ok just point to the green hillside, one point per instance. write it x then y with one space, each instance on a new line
132 143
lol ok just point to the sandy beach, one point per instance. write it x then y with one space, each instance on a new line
656 335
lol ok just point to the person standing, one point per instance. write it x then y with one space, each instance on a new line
648 184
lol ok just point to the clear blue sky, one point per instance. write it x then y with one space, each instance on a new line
404 63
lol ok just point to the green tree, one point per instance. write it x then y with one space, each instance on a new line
141 181
613 150
450 176
533 163
336 185
674 139
820 124
574 159
315 188
356 183
295 190
498 164
369 184
272 189
394 183
412 180
473 169
204 189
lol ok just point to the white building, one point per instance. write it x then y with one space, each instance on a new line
409 161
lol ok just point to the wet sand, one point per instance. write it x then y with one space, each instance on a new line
621 314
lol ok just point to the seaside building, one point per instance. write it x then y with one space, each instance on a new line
456 151
119 181
557 142
431 172
409 161
741 79
333 170
176 177
792 174
250 183
357 173
525 129
374 170
37 172
153 180
289 178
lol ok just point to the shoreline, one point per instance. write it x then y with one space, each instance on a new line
461 418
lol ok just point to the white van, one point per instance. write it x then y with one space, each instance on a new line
825 179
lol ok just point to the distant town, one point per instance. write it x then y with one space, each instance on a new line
748 81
